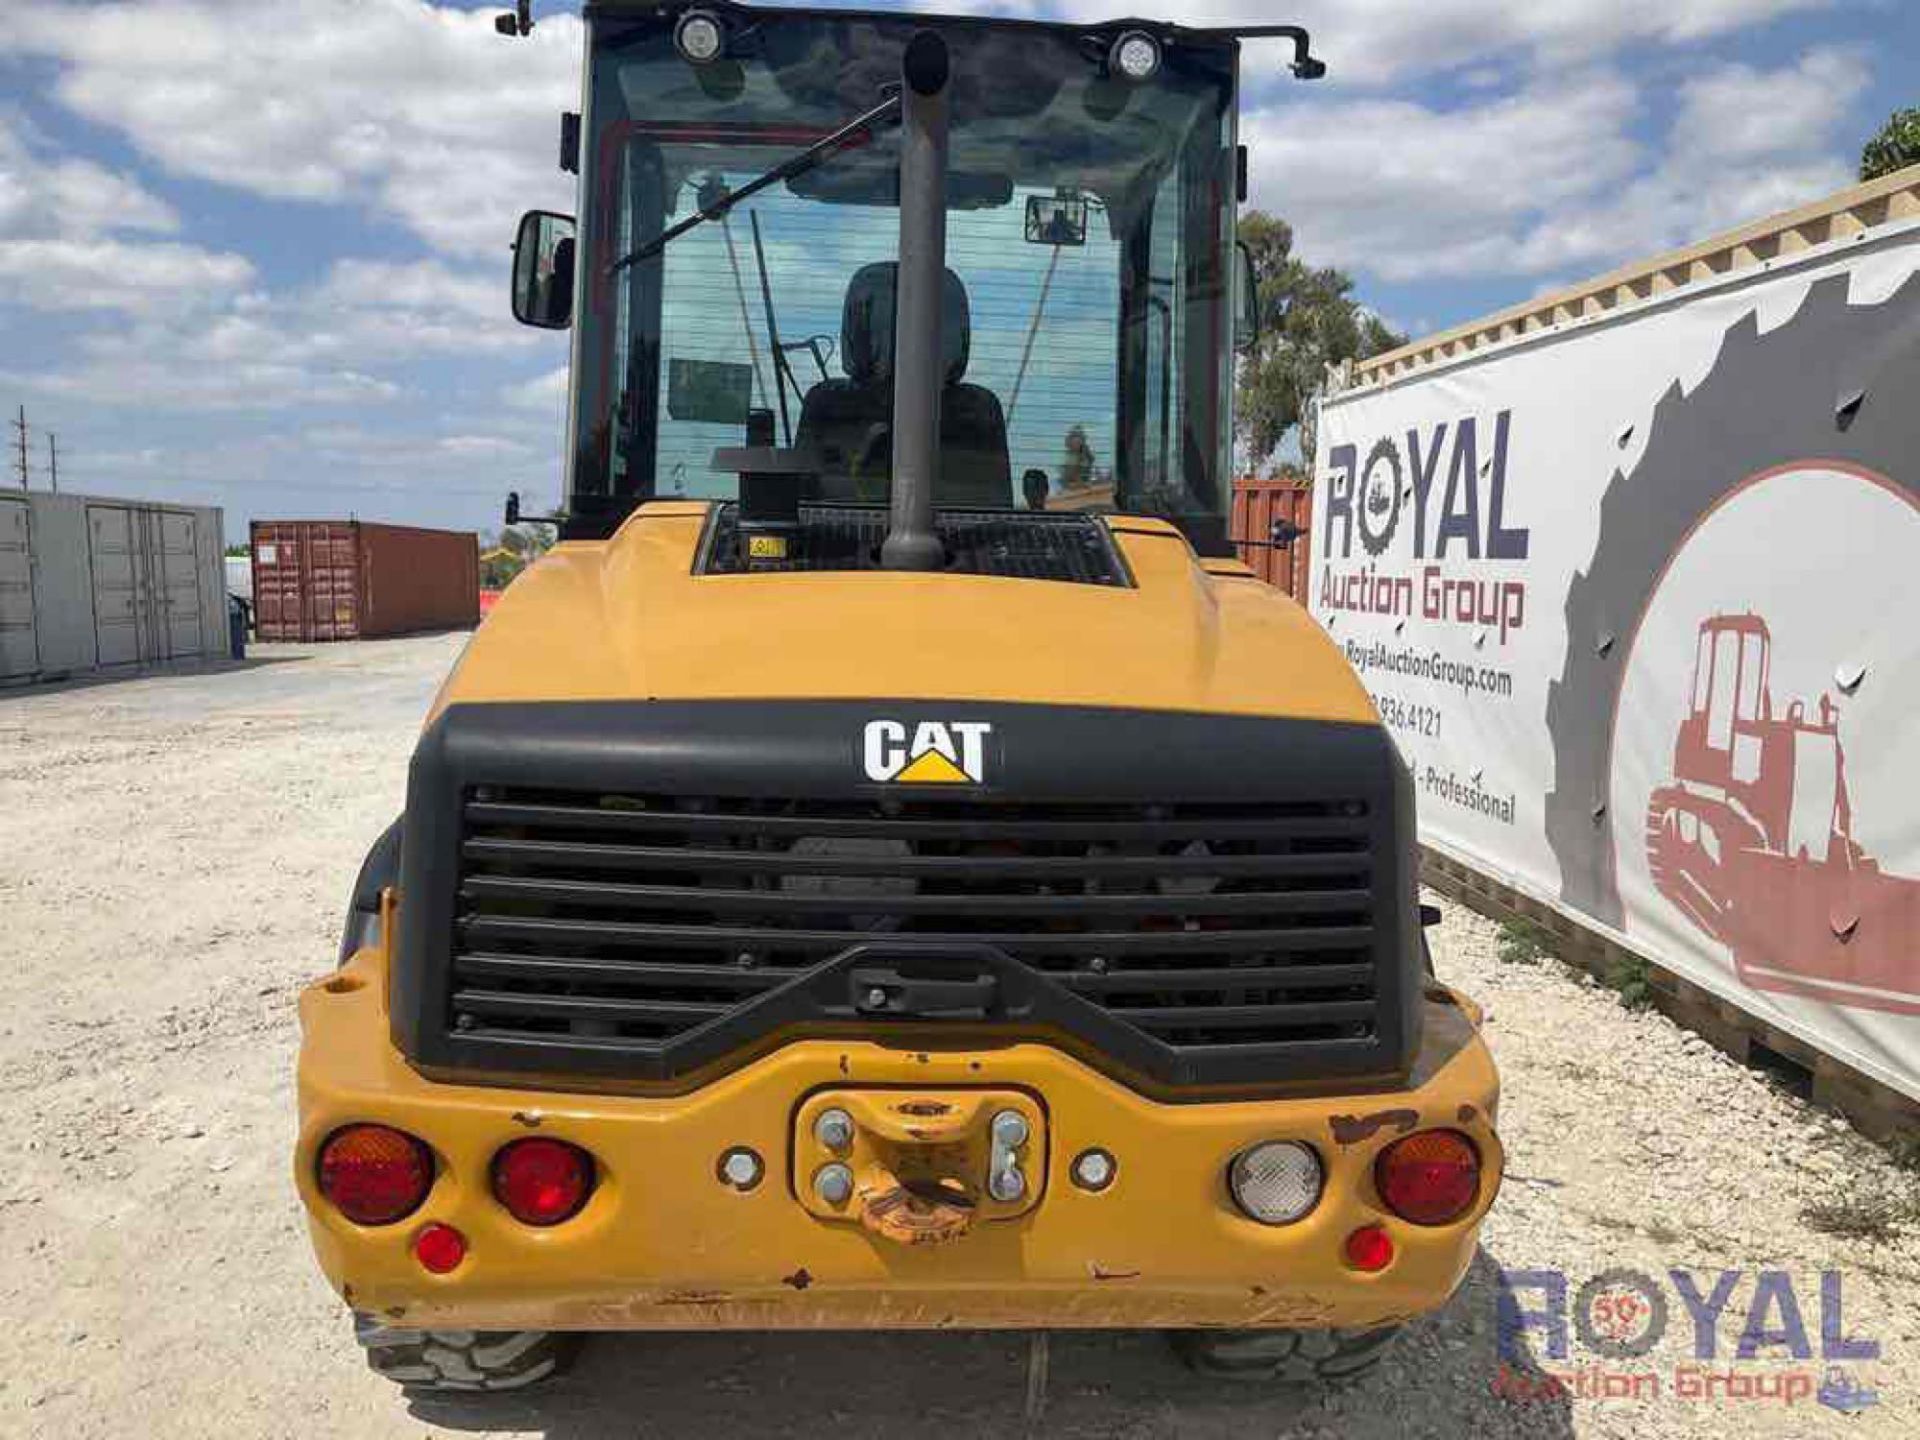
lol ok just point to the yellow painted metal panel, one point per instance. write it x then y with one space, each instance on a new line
627 619
665 1244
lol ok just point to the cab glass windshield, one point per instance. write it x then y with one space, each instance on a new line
1087 304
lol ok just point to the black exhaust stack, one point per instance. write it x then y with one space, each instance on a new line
918 371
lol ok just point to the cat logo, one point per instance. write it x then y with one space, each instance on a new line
930 752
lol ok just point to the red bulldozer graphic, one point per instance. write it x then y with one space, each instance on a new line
1753 839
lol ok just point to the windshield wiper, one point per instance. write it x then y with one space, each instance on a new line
822 149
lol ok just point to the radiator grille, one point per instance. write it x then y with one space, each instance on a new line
1024 546
633 920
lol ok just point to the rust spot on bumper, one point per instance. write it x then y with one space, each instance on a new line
917 1215
1352 1129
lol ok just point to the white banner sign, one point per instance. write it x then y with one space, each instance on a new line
1638 601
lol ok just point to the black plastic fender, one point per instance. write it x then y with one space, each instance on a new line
379 870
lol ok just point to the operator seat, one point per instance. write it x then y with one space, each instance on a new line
849 422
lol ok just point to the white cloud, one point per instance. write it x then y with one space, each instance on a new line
70 274
255 350
149 375
72 238
1735 112
42 196
486 446
1404 190
1373 41
1551 178
1745 143
546 393
422 285
419 112
382 309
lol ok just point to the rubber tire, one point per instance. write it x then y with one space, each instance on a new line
463 1362
1330 1359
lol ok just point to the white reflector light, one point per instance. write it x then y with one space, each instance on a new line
1276 1183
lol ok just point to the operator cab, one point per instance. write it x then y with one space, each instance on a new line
735 263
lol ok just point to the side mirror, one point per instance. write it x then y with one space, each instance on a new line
1246 301
543 270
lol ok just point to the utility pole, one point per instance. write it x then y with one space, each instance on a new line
53 461
21 426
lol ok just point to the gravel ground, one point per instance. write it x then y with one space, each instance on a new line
177 850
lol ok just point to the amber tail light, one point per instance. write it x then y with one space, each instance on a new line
374 1174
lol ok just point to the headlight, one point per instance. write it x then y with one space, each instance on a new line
1135 56
699 37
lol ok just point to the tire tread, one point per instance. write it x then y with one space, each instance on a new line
1329 1358
461 1361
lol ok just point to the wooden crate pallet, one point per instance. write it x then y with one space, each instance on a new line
1876 1110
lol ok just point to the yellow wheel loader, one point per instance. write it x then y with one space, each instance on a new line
889 865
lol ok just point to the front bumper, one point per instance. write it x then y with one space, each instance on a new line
663 1244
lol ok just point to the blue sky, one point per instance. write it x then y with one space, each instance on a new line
253 252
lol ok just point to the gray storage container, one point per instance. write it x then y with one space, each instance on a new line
89 582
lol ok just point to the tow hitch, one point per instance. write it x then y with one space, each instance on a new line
919 1167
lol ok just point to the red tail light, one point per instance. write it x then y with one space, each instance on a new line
1431 1177
1369 1248
541 1181
373 1174
439 1248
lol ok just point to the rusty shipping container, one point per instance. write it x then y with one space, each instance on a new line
1259 501
355 580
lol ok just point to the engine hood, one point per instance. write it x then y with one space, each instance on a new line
627 619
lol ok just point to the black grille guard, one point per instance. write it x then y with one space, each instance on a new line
918 991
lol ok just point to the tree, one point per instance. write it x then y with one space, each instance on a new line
1894 148
1076 470
1309 319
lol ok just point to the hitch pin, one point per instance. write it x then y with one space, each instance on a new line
1004 1180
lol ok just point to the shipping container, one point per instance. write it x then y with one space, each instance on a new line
1260 502
355 580
89 582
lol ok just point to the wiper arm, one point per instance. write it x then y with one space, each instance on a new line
814 154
